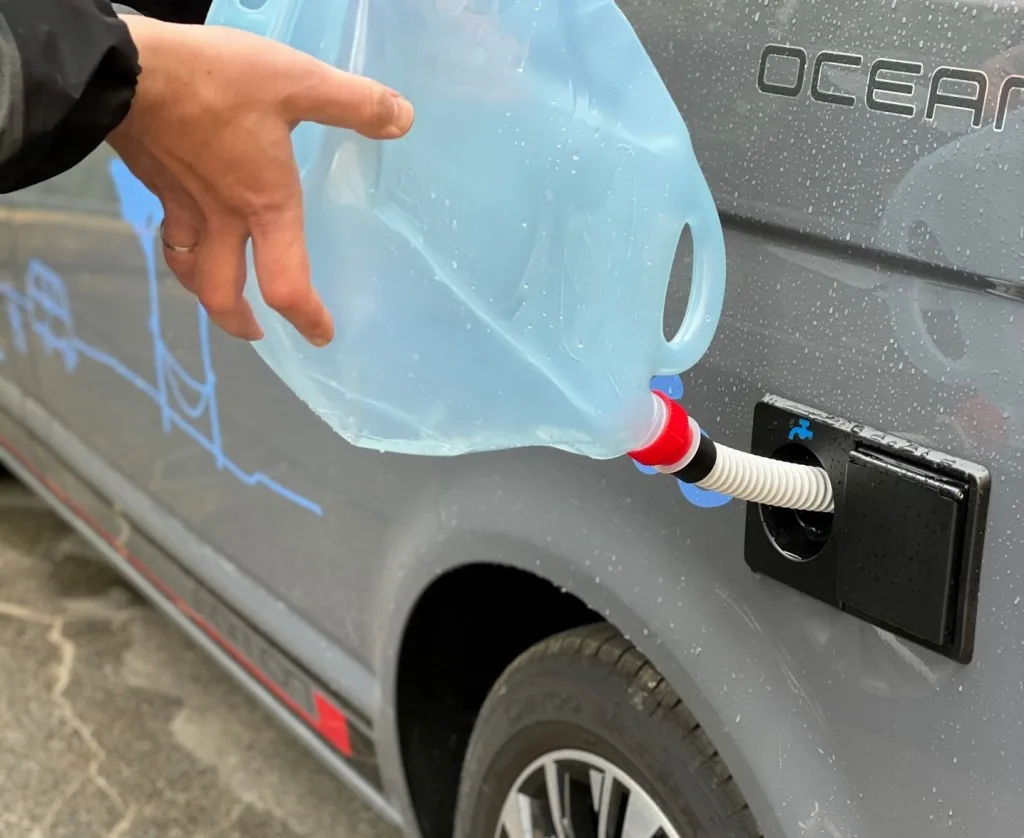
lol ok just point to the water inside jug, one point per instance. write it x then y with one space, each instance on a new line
498 276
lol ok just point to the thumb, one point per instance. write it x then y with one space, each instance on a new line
334 97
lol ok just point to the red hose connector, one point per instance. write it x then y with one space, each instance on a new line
674 441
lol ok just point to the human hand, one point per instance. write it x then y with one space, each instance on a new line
209 134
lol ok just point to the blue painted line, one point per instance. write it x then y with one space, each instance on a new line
181 397
672 386
112 363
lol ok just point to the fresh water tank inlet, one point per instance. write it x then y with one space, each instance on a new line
903 547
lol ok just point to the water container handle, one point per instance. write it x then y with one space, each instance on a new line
707 287
276 19
269 18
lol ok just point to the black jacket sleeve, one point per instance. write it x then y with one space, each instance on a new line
172 11
68 72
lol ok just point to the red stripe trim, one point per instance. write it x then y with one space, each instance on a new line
328 721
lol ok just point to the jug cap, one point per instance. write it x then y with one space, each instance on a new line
673 440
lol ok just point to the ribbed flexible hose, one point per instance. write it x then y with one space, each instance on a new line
746 476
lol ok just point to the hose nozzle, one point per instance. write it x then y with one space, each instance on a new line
682 449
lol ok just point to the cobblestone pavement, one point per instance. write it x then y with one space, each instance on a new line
112 724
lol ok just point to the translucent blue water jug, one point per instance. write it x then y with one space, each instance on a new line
498 276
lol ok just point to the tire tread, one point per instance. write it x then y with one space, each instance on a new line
601 644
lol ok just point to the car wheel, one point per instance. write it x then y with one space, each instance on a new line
581 737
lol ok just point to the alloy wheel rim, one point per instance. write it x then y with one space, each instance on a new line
576 794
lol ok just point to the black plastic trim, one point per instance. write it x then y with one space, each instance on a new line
904 548
702 463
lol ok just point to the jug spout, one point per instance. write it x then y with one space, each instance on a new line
673 437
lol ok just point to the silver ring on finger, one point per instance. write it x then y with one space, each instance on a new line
176 248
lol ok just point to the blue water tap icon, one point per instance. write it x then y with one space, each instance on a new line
801 430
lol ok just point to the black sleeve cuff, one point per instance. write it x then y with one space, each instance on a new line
171 11
79 71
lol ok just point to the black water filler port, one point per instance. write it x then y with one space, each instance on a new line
902 549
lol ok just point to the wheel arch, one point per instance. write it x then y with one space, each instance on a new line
521 545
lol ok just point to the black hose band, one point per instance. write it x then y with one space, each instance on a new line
702 463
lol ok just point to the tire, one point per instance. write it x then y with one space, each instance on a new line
589 693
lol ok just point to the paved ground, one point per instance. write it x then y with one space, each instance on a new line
111 724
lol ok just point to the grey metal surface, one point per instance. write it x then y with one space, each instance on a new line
875 271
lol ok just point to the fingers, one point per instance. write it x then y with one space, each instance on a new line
182 227
333 97
282 269
220 279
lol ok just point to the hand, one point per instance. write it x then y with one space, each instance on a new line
209 134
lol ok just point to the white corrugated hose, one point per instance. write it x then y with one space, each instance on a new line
746 476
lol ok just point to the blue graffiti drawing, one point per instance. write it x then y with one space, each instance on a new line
801 430
184 401
672 386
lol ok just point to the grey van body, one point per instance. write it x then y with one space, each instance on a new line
873 199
